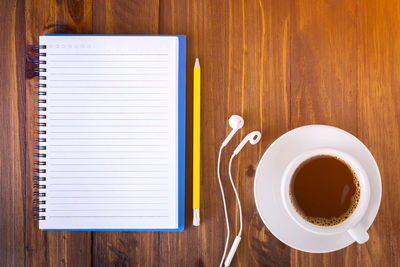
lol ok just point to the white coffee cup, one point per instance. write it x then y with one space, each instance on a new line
352 224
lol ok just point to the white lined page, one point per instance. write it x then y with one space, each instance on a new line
111 132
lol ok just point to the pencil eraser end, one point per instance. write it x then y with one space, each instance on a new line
196 217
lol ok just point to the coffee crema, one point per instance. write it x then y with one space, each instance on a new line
324 190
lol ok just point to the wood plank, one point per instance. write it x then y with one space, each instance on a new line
125 248
323 84
238 57
12 131
125 17
258 71
379 120
191 18
53 248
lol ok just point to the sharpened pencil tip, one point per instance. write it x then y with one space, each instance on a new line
197 63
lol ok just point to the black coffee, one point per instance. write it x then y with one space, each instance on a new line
324 190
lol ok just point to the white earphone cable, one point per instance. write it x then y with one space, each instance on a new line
224 201
253 138
237 196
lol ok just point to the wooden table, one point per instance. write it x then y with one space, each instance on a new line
279 64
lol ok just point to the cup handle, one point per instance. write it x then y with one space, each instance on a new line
359 234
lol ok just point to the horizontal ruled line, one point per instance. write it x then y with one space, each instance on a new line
58 177
103 106
88 164
107 210
106 132
159 171
108 87
107 197
110 100
96 80
111 67
107 99
145 138
110 190
105 151
109 203
112 145
125 126
94 119
102 54
108 61
139 113
115 158
106 74
107 184
136 93
108 119
74 216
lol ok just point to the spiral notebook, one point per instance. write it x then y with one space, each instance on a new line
110 136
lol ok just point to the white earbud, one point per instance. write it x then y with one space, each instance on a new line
252 137
236 122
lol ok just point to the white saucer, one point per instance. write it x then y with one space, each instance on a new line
269 173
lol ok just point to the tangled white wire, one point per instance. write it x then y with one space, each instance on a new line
236 194
224 202
225 210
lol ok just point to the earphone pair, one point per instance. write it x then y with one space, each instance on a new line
236 122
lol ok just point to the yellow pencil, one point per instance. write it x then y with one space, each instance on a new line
196 143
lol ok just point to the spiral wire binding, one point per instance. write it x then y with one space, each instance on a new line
39 178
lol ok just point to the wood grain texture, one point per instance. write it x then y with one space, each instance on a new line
279 64
54 248
125 17
12 131
379 121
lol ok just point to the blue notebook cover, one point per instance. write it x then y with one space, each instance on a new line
181 137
